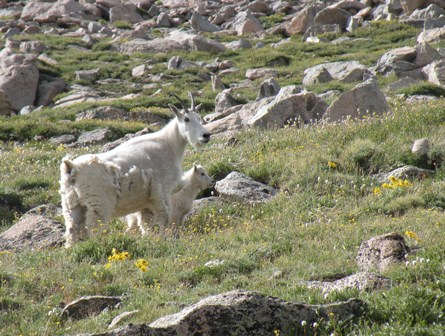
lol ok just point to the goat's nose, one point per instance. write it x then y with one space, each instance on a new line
206 136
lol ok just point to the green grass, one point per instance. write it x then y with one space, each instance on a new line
310 231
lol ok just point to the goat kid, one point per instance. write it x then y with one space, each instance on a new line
194 180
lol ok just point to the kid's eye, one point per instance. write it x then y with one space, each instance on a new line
186 119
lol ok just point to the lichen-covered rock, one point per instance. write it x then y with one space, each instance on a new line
87 306
242 313
381 252
363 281
32 232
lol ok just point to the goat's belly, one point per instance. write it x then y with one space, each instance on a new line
129 205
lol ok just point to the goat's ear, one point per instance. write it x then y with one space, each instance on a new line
175 110
195 166
68 166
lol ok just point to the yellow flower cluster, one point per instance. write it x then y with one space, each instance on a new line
118 256
142 264
412 235
394 183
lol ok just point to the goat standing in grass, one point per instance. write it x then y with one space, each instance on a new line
142 172
193 181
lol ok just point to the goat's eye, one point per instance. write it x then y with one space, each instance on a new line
202 174
186 119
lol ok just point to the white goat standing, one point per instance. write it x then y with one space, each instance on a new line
142 172
193 181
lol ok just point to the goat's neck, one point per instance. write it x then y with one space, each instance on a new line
174 138
189 189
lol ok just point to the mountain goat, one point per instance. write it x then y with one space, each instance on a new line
141 172
193 181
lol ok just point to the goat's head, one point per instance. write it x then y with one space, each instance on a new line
190 122
201 177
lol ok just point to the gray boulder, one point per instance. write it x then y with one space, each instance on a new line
245 23
94 137
19 78
302 20
87 306
125 12
268 88
243 313
48 89
435 72
363 281
303 107
175 41
345 71
199 23
381 252
244 188
366 99
332 15
406 173
32 232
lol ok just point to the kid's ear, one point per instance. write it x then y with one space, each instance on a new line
195 166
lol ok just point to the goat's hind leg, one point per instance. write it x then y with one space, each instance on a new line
161 212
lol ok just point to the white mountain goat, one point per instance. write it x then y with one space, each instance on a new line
141 172
194 180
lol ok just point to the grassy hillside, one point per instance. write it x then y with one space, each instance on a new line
326 206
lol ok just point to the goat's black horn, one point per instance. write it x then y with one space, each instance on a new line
180 101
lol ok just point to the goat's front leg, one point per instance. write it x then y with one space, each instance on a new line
74 223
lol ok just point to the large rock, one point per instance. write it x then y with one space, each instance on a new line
426 54
435 72
287 106
381 252
271 112
48 89
363 281
432 35
45 12
125 12
32 232
242 187
302 20
366 99
175 41
19 78
397 60
243 313
245 23
345 71
332 15
199 23
88 306
250 313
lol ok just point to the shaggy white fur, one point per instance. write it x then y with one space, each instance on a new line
194 180
142 172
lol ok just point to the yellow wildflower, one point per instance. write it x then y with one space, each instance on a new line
412 235
142 264
332 165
